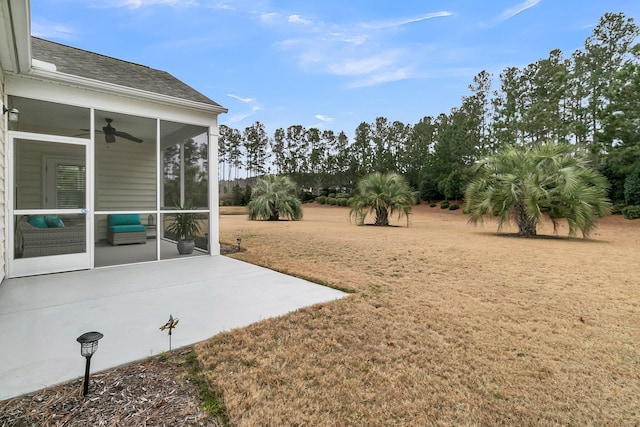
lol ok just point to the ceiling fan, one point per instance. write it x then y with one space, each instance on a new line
110 133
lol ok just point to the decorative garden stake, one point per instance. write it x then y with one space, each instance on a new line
88 345
171 323
238 241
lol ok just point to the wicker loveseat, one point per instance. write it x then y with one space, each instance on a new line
34 241
124 229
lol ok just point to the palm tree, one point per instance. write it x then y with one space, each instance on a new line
528 183
274 197
382 194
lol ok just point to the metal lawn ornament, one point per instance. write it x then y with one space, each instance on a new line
171 323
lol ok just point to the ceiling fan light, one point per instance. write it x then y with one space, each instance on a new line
109 138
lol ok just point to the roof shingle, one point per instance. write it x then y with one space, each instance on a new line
82 63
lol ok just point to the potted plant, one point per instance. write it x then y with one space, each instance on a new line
185 226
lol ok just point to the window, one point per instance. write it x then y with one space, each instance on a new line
70 186
66 183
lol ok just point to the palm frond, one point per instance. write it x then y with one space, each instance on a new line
549 179
382 194
274 197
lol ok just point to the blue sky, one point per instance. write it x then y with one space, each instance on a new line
330 64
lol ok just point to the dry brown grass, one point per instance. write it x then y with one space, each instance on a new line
449 325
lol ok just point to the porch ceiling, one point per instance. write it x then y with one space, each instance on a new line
65 117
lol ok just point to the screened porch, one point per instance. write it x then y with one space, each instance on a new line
76 170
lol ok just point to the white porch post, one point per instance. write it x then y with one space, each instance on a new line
182 199
214 209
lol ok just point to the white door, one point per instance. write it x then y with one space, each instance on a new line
49 196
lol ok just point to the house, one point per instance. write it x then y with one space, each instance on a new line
84 139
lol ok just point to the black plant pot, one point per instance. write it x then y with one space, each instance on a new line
185 247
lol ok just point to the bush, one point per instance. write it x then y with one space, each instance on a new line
616 209
332 201
632 189
344 202
321 199
342 196
466 211
416 196
237 198
332 195
444 205
453 207
452 187
429 189
433 204
247 195
631 212
306 196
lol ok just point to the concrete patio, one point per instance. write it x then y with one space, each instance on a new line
42 316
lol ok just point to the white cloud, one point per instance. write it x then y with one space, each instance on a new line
359 66
354 50
324 118
392 23
384 77
235 118
135 4
269 17
286 22
139 4
222 6
356 40
241 99
52 31
286 44
511 12
238 117
297 19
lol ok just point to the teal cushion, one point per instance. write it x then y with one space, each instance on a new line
38 221
53 222
124 219
126 228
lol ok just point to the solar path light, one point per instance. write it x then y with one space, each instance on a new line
88 345
238 241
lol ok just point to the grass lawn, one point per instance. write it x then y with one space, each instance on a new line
448 324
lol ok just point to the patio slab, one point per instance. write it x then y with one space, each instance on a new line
42 316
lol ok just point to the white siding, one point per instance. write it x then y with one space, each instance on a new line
30 157
125 176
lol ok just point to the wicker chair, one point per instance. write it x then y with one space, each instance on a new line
34 242
125 229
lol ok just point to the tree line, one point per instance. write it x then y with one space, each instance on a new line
590 99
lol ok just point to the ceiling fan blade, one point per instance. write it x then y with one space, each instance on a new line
110 133
127 136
